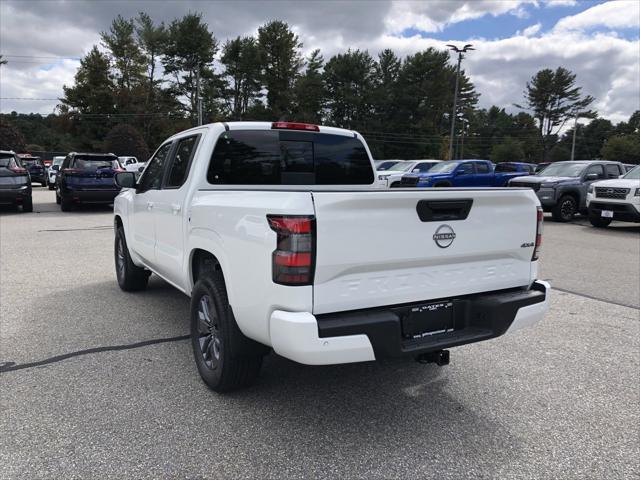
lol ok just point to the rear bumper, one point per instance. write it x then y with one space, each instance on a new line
14 195
624 212
91 196
365 335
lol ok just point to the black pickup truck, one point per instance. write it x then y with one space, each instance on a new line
562 186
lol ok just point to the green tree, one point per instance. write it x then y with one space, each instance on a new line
188 57
128 60
349 80
309 90
125 140
559 153
281 62
590 138
554 98
91 100
11 138
385 101
508 151
241 59
623 148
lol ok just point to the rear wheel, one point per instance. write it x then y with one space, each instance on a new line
598 221
44 184
66 204
226 359
395 185
131 278
565 209
27 205
52 186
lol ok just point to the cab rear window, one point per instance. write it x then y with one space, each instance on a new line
266 157
93 162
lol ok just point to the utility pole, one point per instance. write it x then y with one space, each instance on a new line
459 51
461 154
575 127
198 98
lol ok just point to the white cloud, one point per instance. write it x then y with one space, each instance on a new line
434 15
532 30
560 3
614 14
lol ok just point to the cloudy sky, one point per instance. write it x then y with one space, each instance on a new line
598 40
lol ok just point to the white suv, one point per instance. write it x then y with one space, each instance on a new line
616 199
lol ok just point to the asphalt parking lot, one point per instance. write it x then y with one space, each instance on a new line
98 383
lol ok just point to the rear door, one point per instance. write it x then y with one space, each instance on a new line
483 174
374 249
170 210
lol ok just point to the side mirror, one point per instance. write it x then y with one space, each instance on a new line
125 179
591 176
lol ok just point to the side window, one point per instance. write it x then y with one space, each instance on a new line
465 169
423 167
482 167
65 163
152 176
596 169
182 161
612 170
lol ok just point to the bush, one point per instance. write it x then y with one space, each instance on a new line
11 138
509 151
125 140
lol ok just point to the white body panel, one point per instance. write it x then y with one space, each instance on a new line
372 249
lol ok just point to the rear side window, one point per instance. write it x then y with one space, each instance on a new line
181 161
482 167
506 167
465 168
612 171
266 157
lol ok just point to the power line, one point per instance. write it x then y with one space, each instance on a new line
28 98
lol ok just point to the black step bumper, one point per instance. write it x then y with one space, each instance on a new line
475 318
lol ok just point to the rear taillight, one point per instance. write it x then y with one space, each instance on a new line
70 171
295 126
294 257
539 225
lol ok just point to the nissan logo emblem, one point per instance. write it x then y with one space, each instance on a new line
444 236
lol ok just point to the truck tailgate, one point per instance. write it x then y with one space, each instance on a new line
373 249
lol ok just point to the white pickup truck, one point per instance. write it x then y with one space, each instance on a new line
280 237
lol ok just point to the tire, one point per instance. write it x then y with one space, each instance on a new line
52 186
44 184
565 209
27 205
57 198
131 278
395 185
225 358
66 205
597 221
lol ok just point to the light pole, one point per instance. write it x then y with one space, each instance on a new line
575 128
459 51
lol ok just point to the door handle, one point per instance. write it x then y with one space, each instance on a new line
149 205
175 207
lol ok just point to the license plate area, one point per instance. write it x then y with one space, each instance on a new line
607 213
428 319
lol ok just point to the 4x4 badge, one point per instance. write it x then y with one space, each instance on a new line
444 236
